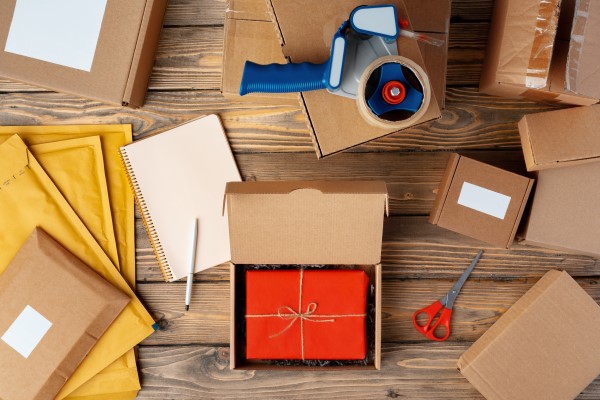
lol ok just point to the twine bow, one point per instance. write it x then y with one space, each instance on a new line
288 313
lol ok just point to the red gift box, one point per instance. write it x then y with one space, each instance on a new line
306 315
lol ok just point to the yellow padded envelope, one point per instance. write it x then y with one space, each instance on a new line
28 198
76 167
112 138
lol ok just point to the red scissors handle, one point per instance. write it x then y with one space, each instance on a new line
443 321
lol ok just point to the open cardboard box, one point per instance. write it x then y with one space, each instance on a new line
560 138
534 54
100 49
334 122
305 223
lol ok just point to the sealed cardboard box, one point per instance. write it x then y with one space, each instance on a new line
100 49
480 201
310 225
306 36
544 347
562 214
534 54
54 309
561 138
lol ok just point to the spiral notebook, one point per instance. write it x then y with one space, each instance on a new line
177 176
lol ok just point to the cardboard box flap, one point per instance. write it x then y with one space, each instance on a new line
583 74
552 331
309 222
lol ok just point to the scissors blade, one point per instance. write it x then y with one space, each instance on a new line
453 293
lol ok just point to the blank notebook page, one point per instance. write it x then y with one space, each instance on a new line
180 175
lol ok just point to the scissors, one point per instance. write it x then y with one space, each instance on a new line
444 305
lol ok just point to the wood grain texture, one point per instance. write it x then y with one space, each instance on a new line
480 304
211 12
411 371
471 120
415 249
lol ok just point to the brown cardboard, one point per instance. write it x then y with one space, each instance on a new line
560 138
544 347
77 301
448 213
583 74
123 60
306 222
562 212
510 46
333 222
250 39
348 129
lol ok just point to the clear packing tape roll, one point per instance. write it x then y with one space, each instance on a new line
540 59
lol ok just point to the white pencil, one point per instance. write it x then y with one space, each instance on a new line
190 277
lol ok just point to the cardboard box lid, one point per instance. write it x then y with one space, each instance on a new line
306 37
60 304
480 201
122 60
306 222
583 74
544 347
558 138
563 213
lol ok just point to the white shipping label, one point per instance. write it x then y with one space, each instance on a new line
63 32
27 331
484 200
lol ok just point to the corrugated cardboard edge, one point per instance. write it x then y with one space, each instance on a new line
530 163
522 207
378 305
443 188
143 56
466 360
232 312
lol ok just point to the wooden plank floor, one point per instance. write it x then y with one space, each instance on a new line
188 357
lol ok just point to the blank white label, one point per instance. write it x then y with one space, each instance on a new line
27 331
63 32
484 200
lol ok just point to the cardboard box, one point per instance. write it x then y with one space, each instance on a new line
305 223
560 138
54 309
529 48
544 347
100 49
563 214
480 201
249 35
306 36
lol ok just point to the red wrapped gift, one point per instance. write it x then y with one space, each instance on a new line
306 315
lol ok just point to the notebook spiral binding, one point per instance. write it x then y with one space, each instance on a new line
163 263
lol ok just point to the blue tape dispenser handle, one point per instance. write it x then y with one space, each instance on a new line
283 78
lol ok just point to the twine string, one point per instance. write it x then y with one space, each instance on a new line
288 313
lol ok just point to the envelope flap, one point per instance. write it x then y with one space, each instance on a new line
310 222
14 158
